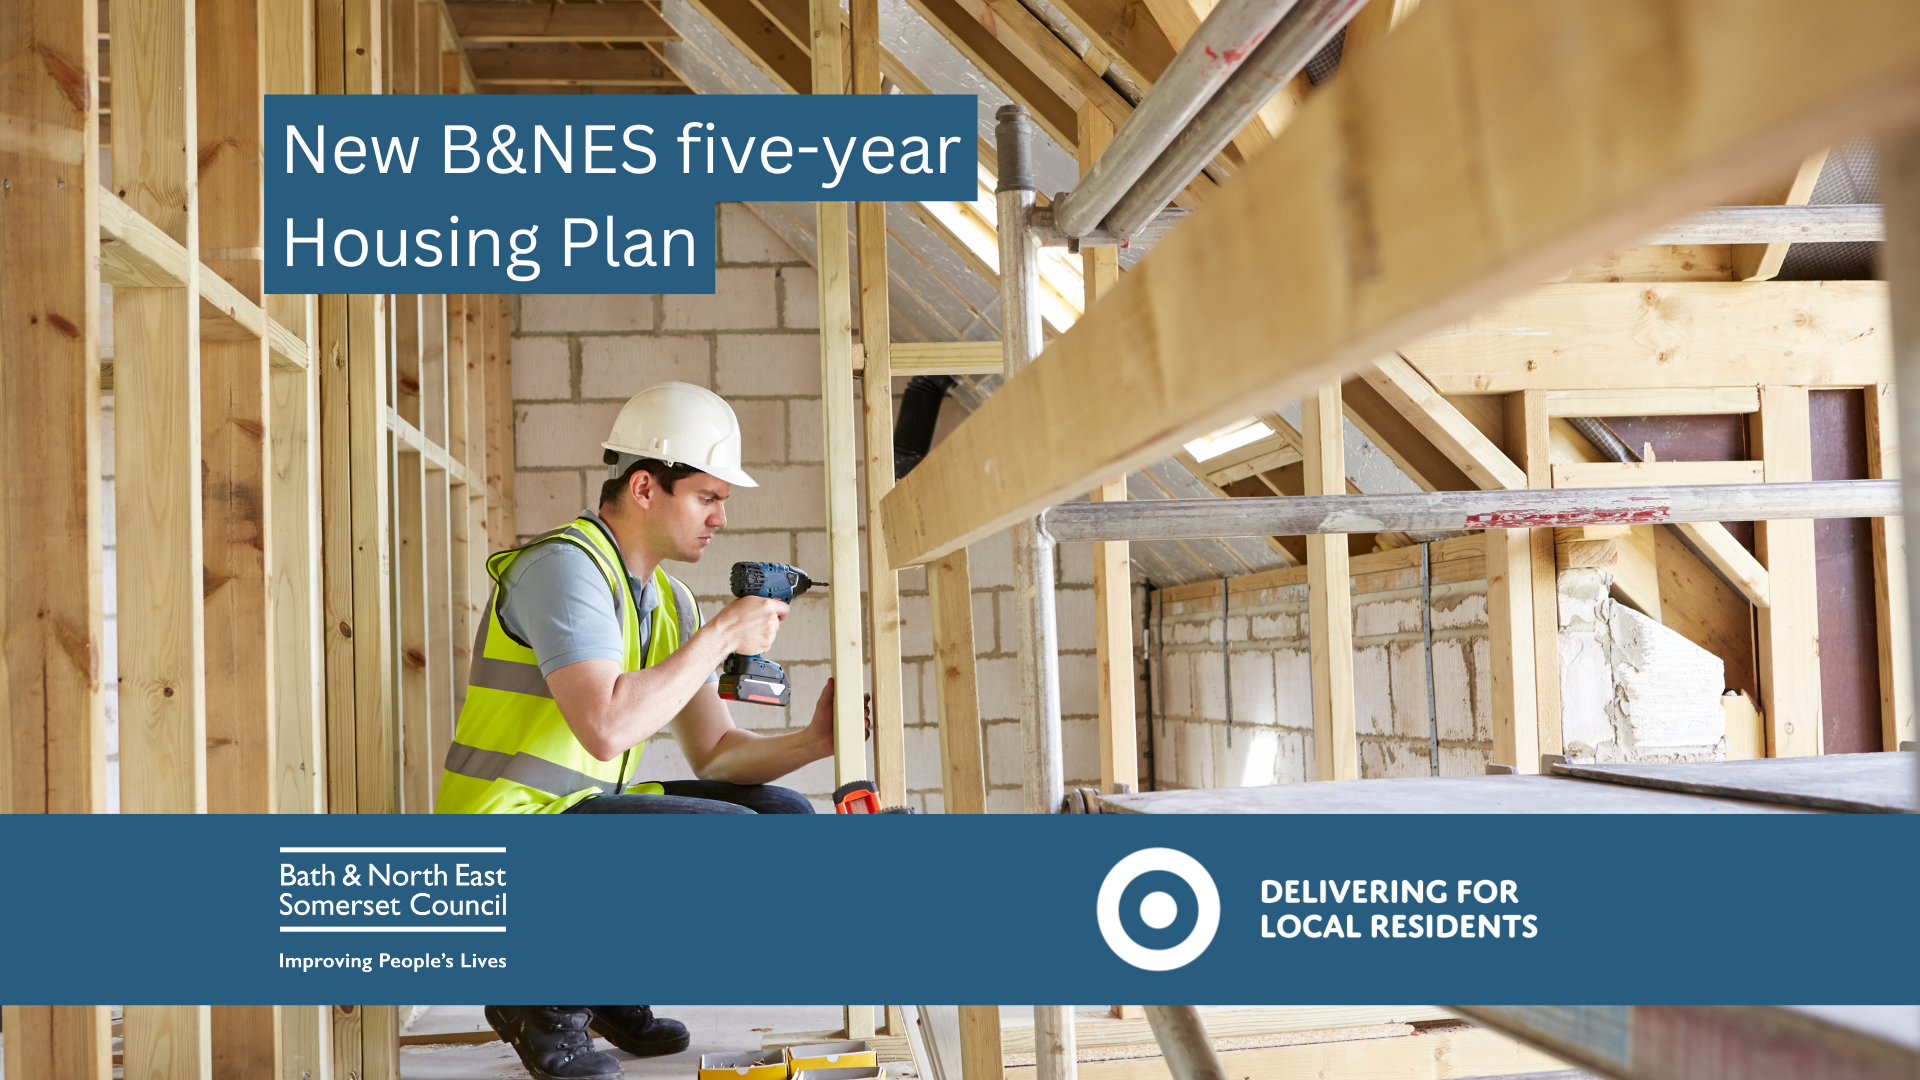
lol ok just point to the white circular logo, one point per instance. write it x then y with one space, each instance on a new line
1158 909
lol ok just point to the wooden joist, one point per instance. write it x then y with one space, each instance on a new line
1275 285
1672 401
580 67
492 22
1664 335
136 254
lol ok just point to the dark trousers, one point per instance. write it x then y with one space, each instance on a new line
700 797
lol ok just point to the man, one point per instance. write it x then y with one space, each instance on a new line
589 648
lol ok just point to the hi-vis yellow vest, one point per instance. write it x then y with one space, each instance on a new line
512 751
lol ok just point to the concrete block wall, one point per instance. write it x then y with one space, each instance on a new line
1272 739
576 360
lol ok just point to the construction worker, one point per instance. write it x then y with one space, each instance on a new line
587 649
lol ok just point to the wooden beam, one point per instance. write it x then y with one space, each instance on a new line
1003 68
1217 337
491 22
1530 445
1450 432
963 765
579 67
1336 747
1395 434
376 734
1112 560
235 437
1761 262
1890 576
837 397
52 645
1664 335
946 358
1657 473
1667 1042
135 253
1672 401
157 490
1444 1055
1788 640
58 1042
762 40
876 398
1123 35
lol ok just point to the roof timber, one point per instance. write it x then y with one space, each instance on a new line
1274 285
496 22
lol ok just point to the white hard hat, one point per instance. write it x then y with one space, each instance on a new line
679 422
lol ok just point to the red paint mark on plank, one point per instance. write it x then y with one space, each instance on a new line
1530 519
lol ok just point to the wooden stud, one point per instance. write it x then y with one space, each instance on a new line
376 722
53 747
836 391
963 772
1510 636
58 1042
245 1042
1788 639
235 418
299 700
348 1049
438 528
980 1053
402 48
1530 446
1336 748
380 1042
336 552
157 479
416 698
1890 576
497 314
306 1043
1220 339
166 1042
1112 560
876 393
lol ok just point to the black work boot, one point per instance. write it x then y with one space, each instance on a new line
636 1030
553 1042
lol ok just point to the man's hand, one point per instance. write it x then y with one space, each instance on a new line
748 625
820 730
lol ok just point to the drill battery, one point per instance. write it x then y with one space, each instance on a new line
756 679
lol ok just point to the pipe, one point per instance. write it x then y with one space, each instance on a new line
1020 336
1304 32
1526 508
1222 43
1184 1042
919 415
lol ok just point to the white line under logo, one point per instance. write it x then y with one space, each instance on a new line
1158 909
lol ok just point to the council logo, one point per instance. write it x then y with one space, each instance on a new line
1158 909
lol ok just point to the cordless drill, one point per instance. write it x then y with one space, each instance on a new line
756 678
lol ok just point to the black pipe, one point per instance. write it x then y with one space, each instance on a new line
919 414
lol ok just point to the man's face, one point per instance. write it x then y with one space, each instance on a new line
683 522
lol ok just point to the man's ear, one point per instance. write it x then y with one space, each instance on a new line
641 487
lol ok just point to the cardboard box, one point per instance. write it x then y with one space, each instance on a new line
744 1065
873 1073
831 1056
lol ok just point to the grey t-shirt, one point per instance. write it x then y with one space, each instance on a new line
557 601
